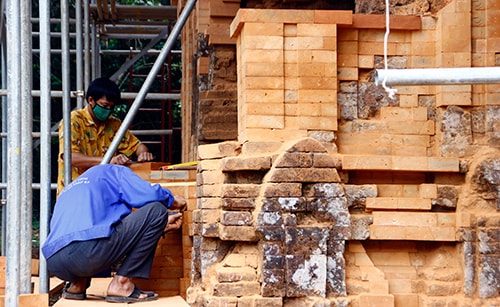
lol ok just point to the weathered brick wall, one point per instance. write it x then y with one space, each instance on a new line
334 193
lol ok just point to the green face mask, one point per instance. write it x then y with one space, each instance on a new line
101 113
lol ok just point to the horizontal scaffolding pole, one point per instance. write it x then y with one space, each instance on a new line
111 52
134 132
124 95
438 76
35 186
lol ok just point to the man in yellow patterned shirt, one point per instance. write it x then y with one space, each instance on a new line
92 131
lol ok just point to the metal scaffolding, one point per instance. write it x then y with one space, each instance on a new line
93 24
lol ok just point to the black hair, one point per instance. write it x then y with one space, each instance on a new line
103 87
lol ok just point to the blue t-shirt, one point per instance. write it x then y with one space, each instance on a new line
88 207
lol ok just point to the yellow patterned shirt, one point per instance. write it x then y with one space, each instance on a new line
92 140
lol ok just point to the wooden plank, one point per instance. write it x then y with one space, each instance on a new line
29 300
34 300
97 291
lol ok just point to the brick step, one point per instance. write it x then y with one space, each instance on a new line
400 163
383 150
425 190
420 226
398 203
97 292
154 172
400 127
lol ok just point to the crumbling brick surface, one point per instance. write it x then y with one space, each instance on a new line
332 192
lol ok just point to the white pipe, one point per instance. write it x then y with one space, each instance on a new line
438 76
13 236
149 80
26 226
45 138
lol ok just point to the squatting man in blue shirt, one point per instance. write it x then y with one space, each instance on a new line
93 227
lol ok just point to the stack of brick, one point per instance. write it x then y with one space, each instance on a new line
270 202
380 170
288 72
171 272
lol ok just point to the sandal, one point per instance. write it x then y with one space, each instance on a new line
134 297
73 296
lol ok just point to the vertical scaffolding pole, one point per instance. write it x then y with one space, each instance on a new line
96 71
45 138
4 124
79 53
13 18
66 86
26 149
149 80
86 44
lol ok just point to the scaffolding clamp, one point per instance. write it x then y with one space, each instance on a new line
78 93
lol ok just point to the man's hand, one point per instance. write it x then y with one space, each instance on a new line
145 156
179 203
120 159
174 221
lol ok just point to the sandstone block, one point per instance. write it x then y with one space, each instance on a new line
393 203
406 299
232 274
269 233
250 163
283 190
208 230
238 203
260 147
265 82
426 127
240 190
236 218
400 272
348 73
263 108
264 70
208 203
270 219
290 204
268 302
210 301
273 283
219 150
351 162
304 175
237 233
265 121
273 28
326 160
296 159
237 289
209 177
209 165
304 239
374 300
307 275
351 60
260 301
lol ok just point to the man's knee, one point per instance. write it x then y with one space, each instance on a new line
157 209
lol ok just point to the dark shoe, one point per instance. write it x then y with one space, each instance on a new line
134 297
72 296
